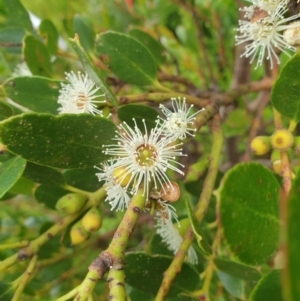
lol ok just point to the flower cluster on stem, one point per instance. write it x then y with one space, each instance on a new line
262 28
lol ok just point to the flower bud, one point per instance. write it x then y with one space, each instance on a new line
78 234
282 140
170 192
260 145
120 176
277 166
70 203
292 35
183 225
92 220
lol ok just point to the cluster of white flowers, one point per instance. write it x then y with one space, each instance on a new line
141 159
263 28
79 95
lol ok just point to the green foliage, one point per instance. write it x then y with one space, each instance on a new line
285 92
79 143
248 201
38 94
130 60
144 272
138 55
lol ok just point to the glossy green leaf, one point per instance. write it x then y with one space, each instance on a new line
91 71
37 56
138 112
233 285
145 272
129 59
249 202
85 31
292 291
48 194
43 174
238 270
285 95
11 39
65 141
10 172
23 186
84 178
268 288
6 111
151 43
199 234
36 93
18 15
50 35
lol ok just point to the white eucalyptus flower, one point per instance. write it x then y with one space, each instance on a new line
171 236
79 95
179 122
145 157
116 194
269 6
264 32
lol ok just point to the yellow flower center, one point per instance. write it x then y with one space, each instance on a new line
146 155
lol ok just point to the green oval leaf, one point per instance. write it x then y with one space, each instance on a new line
37 56
36 93
151 43
18 15
65 141
48 194
145 273
268 288
6 111
91 71
285 95
43 174
293 243
84 179
130 60
138 112
85 31
248 211
238 270
10 172
233 285
50 35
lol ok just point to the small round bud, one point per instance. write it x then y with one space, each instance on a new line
92 220
277 166
78 234
292 35
260 145
120 176
282 140
70 203
182 226
170 192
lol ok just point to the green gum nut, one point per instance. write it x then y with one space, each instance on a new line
92 220
184 224
70 203
78 234
260 145
282 140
